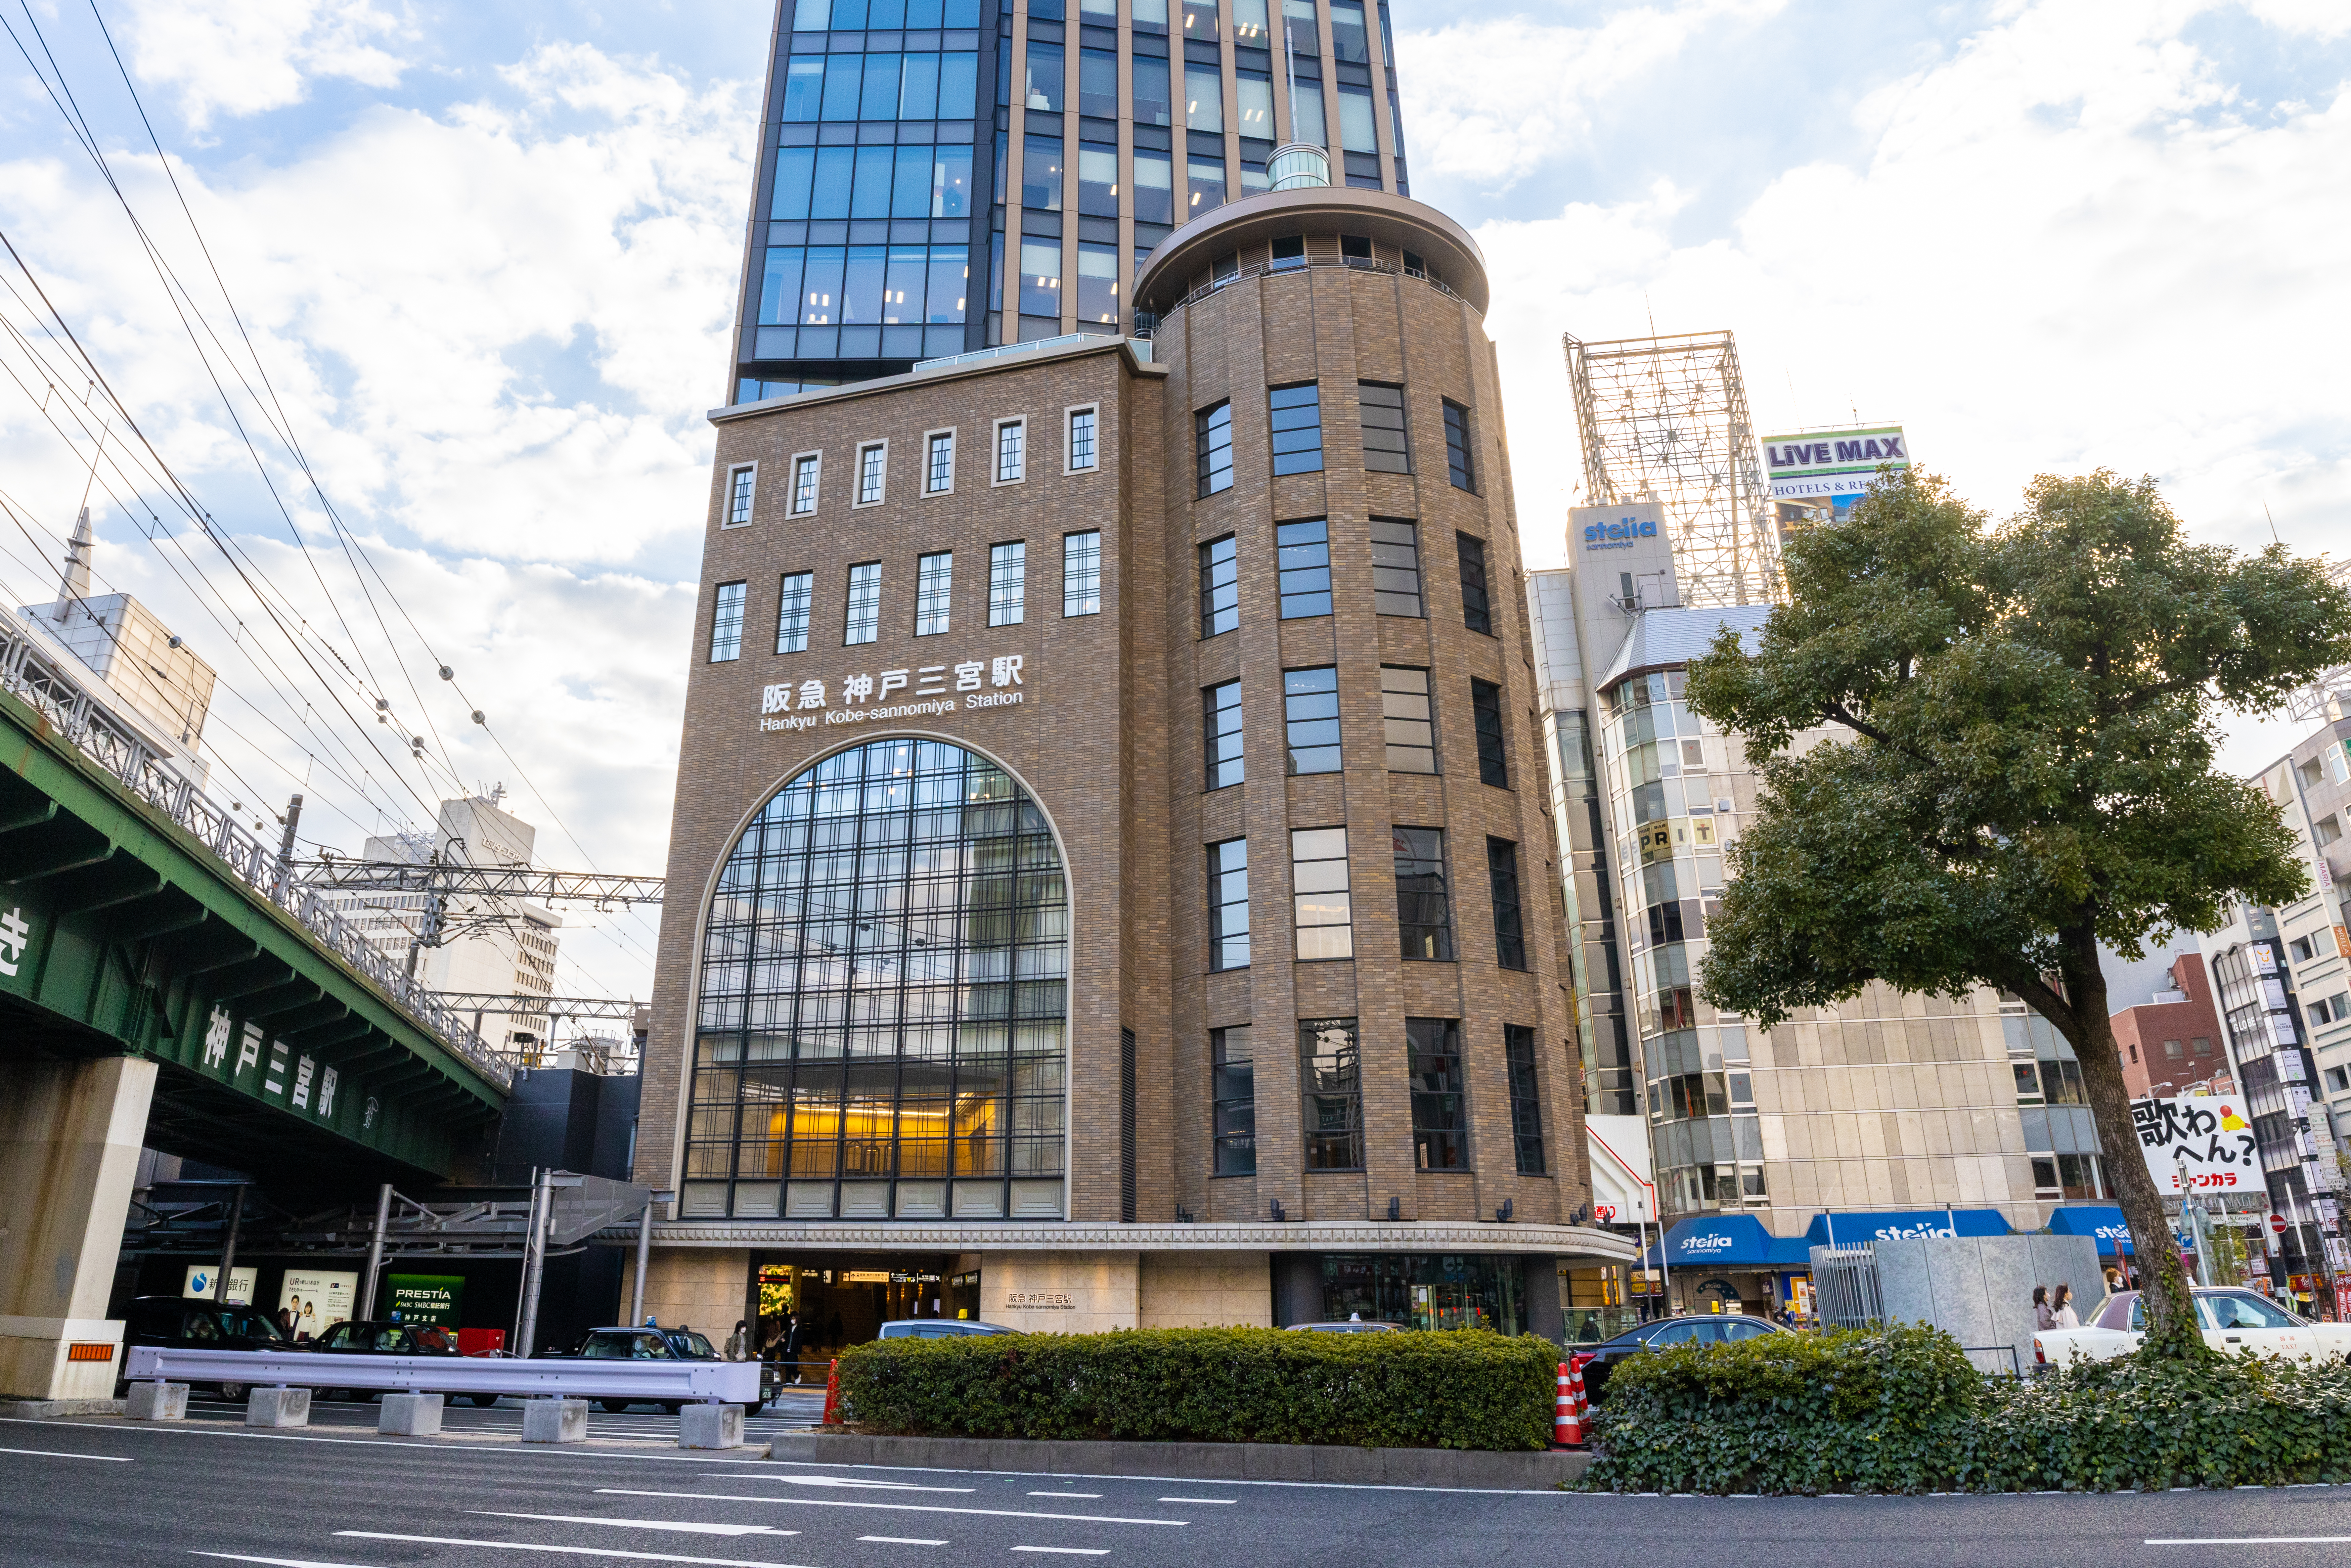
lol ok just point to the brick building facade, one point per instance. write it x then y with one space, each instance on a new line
1013 965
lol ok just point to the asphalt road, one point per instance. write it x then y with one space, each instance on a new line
102 1490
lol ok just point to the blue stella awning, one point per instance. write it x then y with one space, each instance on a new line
1727 1241
1850 1229
2102 1221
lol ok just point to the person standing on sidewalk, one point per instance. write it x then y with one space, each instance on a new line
2042 1318
2061 1307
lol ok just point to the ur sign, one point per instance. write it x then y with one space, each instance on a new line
2206 1139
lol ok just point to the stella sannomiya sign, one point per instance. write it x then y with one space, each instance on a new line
863 698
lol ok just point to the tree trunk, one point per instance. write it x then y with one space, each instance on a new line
2171 1328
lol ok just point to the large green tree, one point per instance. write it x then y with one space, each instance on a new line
2025 768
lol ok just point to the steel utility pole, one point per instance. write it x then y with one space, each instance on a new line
534 1258
285 847
228 1248
375 1251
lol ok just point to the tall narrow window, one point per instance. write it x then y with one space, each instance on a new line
1310 710
1081 439
1411 723
1385 447
872 464
1509 930
1220 589
792 611
739 482
726 622
1221 722
1322 908
1008 573
1303 550
1526 1099
1212 431
1081 573
938 463
1424 912
1233 1091
1229 913
1297 429
1330 1077
1011 451
1440 1127
934 592
804 479
1472 553
1395 566
1486 715
1457 447
863 621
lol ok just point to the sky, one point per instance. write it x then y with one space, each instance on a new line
482 265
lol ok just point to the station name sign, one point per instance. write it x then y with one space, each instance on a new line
921 691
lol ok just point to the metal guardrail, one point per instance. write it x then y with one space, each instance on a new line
729 1382
1300 264
29 671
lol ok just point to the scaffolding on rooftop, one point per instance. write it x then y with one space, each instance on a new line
1665 418
2326 699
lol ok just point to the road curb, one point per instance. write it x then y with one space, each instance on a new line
45 1409
1467 1469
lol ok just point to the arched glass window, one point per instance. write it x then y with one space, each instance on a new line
884 1003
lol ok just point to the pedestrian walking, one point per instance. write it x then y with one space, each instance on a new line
795 1337
2061 1307
2042 1318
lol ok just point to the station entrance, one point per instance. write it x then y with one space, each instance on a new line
841 1299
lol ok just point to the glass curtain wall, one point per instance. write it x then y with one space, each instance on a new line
883 1015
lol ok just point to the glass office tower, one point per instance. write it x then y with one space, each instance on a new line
939 175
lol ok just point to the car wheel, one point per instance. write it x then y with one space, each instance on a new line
613 1406
482 1401
673 1405
232 1391
752 1408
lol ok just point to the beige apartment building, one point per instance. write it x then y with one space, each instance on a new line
1111 877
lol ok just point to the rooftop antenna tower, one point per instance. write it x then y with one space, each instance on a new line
1665 418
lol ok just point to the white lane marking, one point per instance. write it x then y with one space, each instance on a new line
1213 1502
849 1481
61 1454
1069 1551
900 1506
689 1526
569 1550
278 1562
2250 1540
902 1540
566 1451
1095 1495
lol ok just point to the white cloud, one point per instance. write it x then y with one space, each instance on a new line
248 56
2065 247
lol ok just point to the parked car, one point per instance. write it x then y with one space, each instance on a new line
1356 1325
937 1328
183 1322
2231 1320
373 1338
1597 1362
624 1344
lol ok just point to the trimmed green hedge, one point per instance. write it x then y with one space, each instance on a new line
1901 1411
1462 1389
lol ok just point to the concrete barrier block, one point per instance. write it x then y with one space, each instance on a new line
278 1406
409 1415
555 1420
157 1401
710 1426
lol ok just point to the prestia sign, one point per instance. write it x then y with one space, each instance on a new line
937 689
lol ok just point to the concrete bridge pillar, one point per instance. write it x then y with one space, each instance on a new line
69 1139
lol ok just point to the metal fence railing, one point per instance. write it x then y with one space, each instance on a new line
1299 263
1844 1284
29 672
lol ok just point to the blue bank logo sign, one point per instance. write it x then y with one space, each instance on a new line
1618 535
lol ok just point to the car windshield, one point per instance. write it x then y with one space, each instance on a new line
434 1339
249 1325
2241 1310
693 1344
625 1345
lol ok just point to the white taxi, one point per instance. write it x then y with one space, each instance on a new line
2232 1321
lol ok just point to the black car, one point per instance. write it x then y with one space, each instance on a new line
187 1322
1698 1328
624 1344
352 1338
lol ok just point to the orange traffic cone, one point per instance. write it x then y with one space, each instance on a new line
833 1395
1567 1421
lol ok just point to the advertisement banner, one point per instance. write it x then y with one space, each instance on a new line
2207 1138
436 1299
318 1302
202 1277
1832 468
